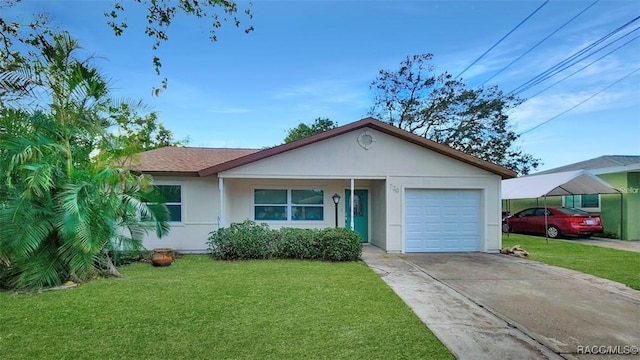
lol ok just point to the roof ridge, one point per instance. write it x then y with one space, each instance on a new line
362 123
214 148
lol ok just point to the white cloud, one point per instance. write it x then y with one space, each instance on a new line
230 111
326 91
542 108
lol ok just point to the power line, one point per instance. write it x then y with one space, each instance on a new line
545 74
540 42
582 68
504 37
580 103
574 62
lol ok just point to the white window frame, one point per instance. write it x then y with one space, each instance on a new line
578 201
285 205
290 205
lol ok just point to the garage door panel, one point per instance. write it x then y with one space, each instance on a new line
468 211
442 220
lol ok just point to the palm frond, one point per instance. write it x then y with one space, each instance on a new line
25 228
43 269
16 81
64 214
39 180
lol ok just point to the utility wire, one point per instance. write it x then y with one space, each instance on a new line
584 67
580 103
540 42
577 61
504 37
570 58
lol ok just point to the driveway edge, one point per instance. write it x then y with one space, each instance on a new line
468 329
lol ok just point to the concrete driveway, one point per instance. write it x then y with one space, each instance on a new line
496 306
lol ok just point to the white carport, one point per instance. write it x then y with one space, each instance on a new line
557 184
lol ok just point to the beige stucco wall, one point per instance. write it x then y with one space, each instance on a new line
393 165
200 208
490 206
386 169
201 204
239 202
343 157
378 214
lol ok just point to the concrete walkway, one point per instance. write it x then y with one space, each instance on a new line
628 245
489 306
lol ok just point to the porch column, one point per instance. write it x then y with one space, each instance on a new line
221 193
352 202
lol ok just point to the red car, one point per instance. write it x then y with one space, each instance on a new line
560 222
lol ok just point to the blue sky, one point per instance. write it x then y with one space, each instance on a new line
309 59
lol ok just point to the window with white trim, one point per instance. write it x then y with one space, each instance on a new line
288 204
172 195
589 201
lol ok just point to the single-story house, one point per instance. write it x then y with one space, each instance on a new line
410 194
619 212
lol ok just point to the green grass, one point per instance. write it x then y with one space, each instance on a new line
613 264
199 308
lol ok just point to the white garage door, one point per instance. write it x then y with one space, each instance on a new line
442 220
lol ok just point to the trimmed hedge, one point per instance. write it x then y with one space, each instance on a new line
296 243
340 244
248 240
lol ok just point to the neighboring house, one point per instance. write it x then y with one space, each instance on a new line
620 213
410 194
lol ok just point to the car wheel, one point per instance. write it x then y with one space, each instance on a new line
553 232
505 228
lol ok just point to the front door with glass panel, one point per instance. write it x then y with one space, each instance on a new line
360 212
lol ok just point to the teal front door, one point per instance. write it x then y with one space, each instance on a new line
360 212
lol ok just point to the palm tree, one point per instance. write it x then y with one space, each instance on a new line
65 215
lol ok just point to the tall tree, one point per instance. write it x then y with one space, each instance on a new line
439 107
303 130
133 132
65 215
18 80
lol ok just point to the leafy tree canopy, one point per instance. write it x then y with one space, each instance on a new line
303 130
159 14
132 132
64 215
439 107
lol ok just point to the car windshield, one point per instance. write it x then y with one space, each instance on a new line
573 211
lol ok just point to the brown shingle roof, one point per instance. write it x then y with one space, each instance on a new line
184 160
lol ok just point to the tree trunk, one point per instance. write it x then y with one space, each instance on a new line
110 268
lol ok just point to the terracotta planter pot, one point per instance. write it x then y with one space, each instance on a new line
162 257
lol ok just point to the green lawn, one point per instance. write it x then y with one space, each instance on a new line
199 308
617 265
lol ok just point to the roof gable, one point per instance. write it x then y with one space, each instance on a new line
369 123
365 153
